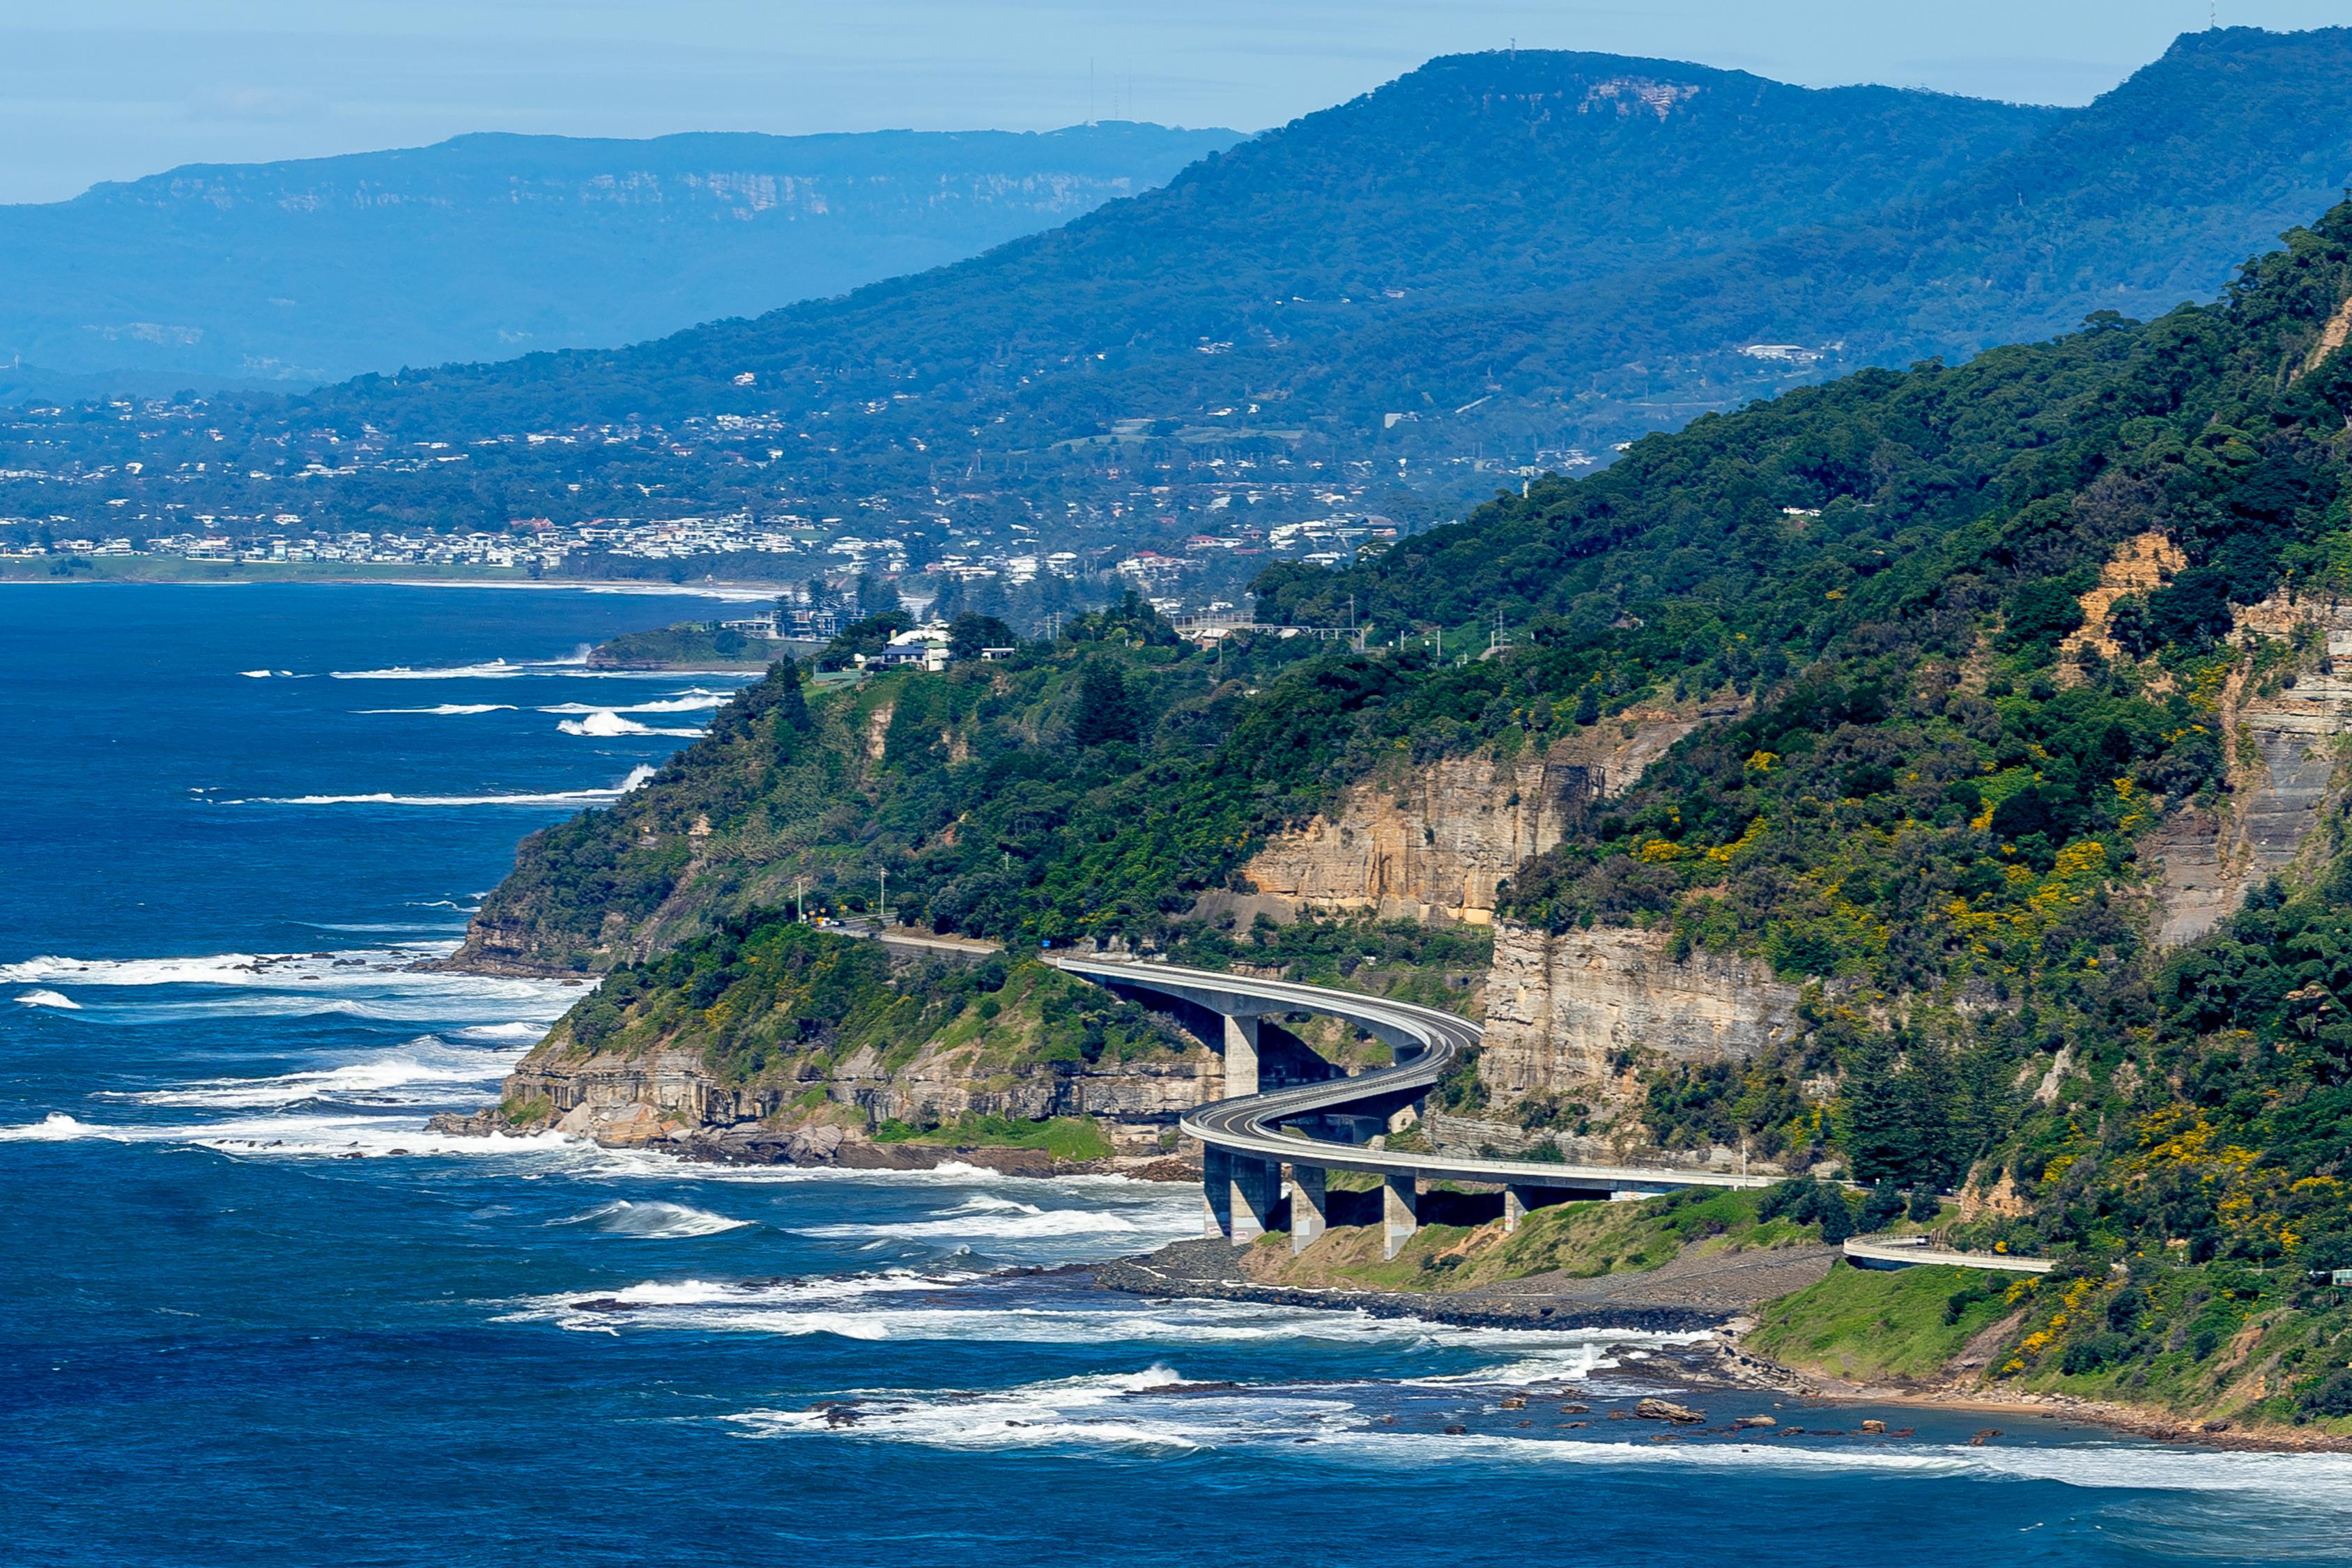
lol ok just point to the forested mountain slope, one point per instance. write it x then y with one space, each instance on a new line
1502 257
1961 730
490 246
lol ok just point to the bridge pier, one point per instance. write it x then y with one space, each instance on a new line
1515 1208
1400 1213
1310 1213
1216 1193
1255 1188
1241 1054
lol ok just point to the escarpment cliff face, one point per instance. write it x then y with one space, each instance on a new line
1437 842
676 1099
1566 1011
2283 730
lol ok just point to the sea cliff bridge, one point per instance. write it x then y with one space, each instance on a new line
1313 1128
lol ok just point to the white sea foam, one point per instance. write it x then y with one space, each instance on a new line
793 1309
637 777
1137 1409
689 701
605 723
526 1033
448 710
56 1127
985 1219
1152 1408
423 1073
48 999
373 983
300 1137
495 669
653 1221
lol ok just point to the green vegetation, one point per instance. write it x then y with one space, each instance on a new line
1070 1138
1366 284
690 645
1865 1324
1926 795
1582 1240
772 1001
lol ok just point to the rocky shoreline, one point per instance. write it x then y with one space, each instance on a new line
1214 1268
830 1148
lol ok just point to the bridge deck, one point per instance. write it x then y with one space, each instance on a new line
1250 1125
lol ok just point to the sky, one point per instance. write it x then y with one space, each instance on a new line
109 90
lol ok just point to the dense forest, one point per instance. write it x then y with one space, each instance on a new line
1930 810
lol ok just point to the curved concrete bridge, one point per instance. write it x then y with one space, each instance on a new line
1317 1127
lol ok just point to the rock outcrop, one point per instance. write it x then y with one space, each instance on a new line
1436 842
2286 742
672 1098
1564 1010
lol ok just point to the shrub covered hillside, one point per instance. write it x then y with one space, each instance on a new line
1822 553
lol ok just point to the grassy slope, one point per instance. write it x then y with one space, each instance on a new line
1864 1325
1583 1240
2212 1342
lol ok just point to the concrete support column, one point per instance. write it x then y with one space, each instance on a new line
1515 1209
1256 1188
1241 1056
1310 1213
1216 1193
1400 1213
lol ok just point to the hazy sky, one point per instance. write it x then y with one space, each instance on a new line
96 89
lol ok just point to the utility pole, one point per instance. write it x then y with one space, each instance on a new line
799 898
883 913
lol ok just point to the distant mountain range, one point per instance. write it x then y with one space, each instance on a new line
488 246
1496 259
1525 251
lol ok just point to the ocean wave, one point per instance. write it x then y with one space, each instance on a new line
603 722
424 1072
689 701
56 1127
527 1033
637 776
1155 1408
311 1137
792 1309
985 1218
448 710
373 983
495 669
1130 1410
48 999
653 1221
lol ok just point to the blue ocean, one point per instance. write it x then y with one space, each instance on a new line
251 1311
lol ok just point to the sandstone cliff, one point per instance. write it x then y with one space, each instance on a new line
674 1100
2283 733
1567 1015
1435 842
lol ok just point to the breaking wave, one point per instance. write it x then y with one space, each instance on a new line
653 1221
448 710
637 777
495 669
48 999
684 702
605 722
985 1218
424 1072
373 983
918 1307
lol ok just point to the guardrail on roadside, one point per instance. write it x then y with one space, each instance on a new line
1910 1251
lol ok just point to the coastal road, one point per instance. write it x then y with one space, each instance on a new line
1253 1134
